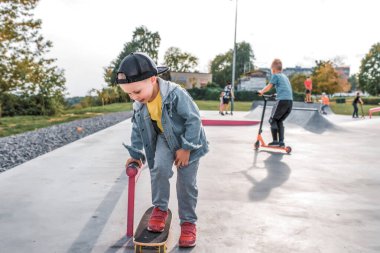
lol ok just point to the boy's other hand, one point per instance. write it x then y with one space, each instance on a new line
131 160
182 157
260 92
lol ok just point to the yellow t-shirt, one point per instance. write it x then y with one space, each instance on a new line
155 110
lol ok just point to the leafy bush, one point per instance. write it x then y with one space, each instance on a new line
212 94
299 96
371 101
340 100
31 105
243 95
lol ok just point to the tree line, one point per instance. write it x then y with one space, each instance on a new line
30 82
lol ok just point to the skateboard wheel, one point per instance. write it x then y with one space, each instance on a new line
288 149
162 249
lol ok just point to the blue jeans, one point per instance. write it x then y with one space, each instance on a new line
187 190
323 108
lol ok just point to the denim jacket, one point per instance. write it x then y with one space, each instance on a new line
180 120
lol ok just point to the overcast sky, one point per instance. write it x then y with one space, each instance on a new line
88 34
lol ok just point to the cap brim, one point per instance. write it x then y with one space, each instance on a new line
161 70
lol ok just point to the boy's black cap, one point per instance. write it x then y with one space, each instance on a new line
137 67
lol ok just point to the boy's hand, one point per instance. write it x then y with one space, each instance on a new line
260 92
182 157
131 160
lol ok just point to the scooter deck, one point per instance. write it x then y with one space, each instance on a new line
143 237
286 149
259 144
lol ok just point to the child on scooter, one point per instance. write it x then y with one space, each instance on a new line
284 102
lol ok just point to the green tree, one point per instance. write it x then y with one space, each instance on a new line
353 80
23 64
144 41
325 78
148 42
297 81
244 58
369 73
221 68
179 61
221 65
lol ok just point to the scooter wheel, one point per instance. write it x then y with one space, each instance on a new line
257 145
288 149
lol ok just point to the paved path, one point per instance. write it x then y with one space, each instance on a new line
321 198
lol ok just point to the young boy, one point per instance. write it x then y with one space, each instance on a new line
284 103
325 102
167 124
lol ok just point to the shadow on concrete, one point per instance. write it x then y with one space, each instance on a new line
124 242
129 248
277 173
90 233
178 249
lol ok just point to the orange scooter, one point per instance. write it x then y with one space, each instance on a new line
260 141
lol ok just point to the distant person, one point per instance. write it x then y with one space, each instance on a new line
325 103
167 124
227 94
283 105
308 87
221 107
355 105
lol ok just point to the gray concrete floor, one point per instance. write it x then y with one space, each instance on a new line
321 198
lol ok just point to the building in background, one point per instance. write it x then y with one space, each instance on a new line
191 80
343 71
344 74
298 70
255 80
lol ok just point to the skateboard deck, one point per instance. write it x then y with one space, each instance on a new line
145 238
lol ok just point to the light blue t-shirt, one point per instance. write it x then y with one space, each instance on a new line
282 85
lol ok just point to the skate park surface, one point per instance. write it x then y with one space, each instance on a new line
319 198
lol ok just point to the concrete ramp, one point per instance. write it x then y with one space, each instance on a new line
303 115
312 121
296 104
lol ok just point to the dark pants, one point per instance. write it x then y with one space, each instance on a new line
323 109
280 112
355 114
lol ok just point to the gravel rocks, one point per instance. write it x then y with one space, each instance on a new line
17 149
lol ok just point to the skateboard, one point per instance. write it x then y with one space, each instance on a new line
143 238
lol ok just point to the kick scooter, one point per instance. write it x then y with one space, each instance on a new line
260 141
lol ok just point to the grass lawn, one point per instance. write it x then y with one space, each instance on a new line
214 105
348 109
20 124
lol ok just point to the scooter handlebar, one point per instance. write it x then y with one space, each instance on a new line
266 96
270 96
132 169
